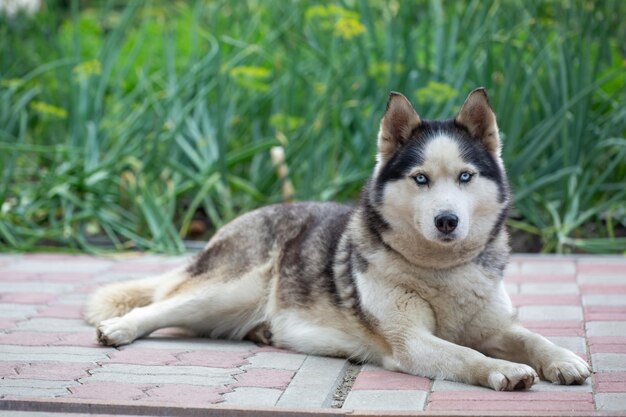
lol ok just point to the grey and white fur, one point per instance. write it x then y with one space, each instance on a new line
410 278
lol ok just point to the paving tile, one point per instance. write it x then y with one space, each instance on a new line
443 385
154 375
386 380
549 267
17 311
565 312
607 344
188 344
610 381
543 386
603 289
545 299
277 360
575 344
62 311
257 397
215 359
58 371
407 400
61 265
77 299
604 313
264 378
190 395
606 328
45 324
6 324
138 356
549 288
612 279
609 361
611 402
120 391
510 401
34 287
30 392
26 298
15 353
29 338
35 383
604 299
602 267
539 278
314 384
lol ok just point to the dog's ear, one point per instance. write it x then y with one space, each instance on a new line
398 122
478 117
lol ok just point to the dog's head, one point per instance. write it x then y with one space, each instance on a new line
440 185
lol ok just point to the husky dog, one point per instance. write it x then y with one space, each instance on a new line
410 278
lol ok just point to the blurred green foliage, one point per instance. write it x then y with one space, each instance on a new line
124 119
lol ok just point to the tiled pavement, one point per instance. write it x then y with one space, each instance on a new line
49 360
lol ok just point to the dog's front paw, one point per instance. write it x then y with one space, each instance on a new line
115 332
567 369
512 377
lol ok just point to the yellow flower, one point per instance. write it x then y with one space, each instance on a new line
348 28
48 109
87 69
253 78
435 92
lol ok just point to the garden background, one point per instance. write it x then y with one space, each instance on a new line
143 124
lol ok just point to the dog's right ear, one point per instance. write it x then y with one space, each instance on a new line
398 122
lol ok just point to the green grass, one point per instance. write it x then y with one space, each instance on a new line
125 121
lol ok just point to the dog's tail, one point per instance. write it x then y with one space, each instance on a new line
117 299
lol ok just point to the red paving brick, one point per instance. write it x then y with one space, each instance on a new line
545 299
602 268
119 391
385 380
189 395
511 401
538 278
605 313
56 371
555 327
213 359
610 381
602 289
26 298
607 344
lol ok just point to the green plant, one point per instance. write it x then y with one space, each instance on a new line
127 121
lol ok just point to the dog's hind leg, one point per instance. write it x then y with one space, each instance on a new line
221 308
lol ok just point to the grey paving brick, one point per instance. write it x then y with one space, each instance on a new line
74 299
549 386
255 397
606 328
115 368
611 402
314 384
34 286
601 278
443 385
35 383
277 360
511 288
574 343
32 392
609 361
197 343
550 313
68 265
547 267
385 400
211 376
17 311
604 300
54 324
15 353
549 288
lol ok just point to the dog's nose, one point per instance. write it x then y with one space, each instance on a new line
446 222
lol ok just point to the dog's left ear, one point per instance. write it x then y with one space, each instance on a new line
478 117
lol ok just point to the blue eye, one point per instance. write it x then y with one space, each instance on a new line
421 179
465 177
